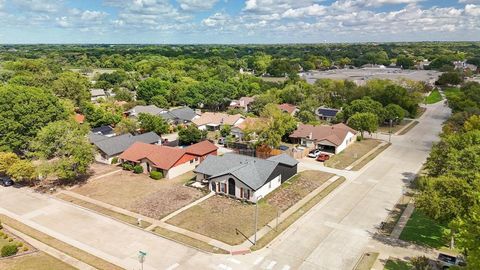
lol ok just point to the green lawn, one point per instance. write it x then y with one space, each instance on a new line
434 97
424 231
396 264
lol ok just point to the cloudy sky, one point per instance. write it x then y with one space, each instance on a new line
237 21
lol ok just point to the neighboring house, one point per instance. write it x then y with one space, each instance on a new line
110 147
97 94
326 114
249 123
332 139
214 121
242 103
171 161
183 115
245 177
150 109
288 108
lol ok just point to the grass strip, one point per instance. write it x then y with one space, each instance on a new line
410 127
187 240
370 157
59 245
396 264
367 261
102 210
434 97
267 238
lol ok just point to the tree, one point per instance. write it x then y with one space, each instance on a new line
394 112
364 122
22 171
364 105
153 123
472 123
64 143
278 125
469 237
127 125
421 263
151 87
307 117
73 86
23 112
405 62
225 130
123 95
7 159
450 78
160 101
191 135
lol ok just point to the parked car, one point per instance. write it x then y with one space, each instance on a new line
323 157
221 141
314 153
446 261
283 147
6 181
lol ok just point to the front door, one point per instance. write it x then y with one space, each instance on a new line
231 187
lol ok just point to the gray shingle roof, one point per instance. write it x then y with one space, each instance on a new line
97 92
284 159
150 109
253 172
116 145
184 113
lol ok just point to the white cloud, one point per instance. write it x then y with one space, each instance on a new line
469 1
472 10
313 10
88 15
217 19
47 6
197 5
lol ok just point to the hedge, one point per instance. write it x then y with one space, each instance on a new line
127 166
156 175
9 250
138 169
114 160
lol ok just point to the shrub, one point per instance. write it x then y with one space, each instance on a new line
9 250
156 175
138 169
25 248
5 236
114 160
10 240
359 138
127 166
19 244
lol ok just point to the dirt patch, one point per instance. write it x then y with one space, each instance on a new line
139 193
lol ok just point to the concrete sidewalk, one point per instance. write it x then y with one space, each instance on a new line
402 221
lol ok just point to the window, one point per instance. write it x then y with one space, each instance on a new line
191 161
223 187
245 193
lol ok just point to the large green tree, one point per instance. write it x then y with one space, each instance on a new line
153 123
73 86
364 122
23 112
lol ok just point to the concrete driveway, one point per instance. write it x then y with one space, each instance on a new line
332 235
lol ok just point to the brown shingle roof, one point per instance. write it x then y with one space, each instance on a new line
201 148
287 107
335 134
217 119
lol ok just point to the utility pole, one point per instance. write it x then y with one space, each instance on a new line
256 219
141 257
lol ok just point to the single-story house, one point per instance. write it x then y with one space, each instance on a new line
150 109
288 108
242 103
250 123
97 94
110 147
245 177
171 161
214 121
326 114
332 139
182 115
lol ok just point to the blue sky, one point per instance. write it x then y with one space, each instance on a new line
237 21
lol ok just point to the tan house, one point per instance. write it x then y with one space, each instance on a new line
332 139
214 121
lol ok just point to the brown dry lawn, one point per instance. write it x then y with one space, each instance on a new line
395 128
354 152
218 217
35 261
139 193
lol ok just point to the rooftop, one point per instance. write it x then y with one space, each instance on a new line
335 134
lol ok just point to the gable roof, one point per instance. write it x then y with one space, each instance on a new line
335 134
97 92
184 114
116 145
287 108
163 157
217 119
202 148
251 122
253 172
284 159
327 112
150 109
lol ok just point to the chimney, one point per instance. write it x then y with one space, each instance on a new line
310 135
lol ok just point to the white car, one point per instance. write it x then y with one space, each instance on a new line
314 153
